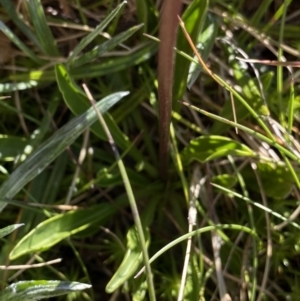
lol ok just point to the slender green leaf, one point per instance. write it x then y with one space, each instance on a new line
40 289
90 37
142 11
108 66
197 232
105 47
42 30
7 230
10 9
250 93
52 148
19 43
193 18
204 45
257 204
115 64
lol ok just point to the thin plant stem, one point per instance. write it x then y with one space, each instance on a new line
269 238
197 232
279 68
81 158
249 131
252 224
83 267
192 217
256 204
291 107
131 198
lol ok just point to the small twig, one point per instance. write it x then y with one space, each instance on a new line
233 112
81 158
19 109
294 215
269 238
116 238
29 266
194 194
294 64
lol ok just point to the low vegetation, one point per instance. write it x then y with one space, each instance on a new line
85 211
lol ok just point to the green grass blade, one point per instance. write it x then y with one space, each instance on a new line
105 47
197 232
19 43
142 12
42 30
131 199
7 230
291 108
10 9
52 148
282 110
106 67
258 205
204 45
194 18
90 37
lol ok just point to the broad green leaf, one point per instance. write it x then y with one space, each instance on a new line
133 257
11 147
90 37
105 47
5 231
206 148
131 261
78 103
276 179
19 43
204 46
52 148
224 180
40 289
61 226
193 18
42 30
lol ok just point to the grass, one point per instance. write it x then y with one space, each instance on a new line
222 226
